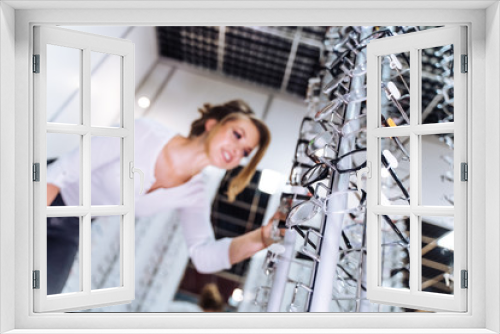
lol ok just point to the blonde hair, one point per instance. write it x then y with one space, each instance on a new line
211 299
230 111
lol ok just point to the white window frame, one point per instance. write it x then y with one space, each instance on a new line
87 43
482 316
414 297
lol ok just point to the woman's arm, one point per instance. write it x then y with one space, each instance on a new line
52 191
209 255
248 244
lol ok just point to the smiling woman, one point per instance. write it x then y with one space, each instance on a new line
233 131
221 137
483 302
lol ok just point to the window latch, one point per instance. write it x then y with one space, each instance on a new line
133 170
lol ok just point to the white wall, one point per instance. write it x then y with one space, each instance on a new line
7 168
178 103
491 166
175 93
63 99
284 120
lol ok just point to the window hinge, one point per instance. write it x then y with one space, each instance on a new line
465 279
464 171
36 279
465 64
36 172
36 63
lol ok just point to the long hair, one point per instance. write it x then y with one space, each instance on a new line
211 299
233 110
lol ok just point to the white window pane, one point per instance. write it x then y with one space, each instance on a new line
437 255
66 148
395 89
394 250
74 155
437 170
106 104
106 259
394 171
437 84
63 240
106 172
63 84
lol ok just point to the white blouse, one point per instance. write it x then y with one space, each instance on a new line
189 199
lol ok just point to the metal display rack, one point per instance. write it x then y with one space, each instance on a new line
322 267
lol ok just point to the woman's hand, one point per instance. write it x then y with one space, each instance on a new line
270 233
246 245
52 191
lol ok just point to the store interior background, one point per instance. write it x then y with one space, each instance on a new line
165 279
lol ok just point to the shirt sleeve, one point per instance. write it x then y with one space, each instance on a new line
207 254
66 169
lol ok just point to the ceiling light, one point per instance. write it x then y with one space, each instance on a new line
144 102
270 181
446 241
237 295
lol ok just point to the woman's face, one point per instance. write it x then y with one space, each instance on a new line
233 141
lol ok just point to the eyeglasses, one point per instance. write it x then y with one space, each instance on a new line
350 162
297 172
305 211
262 295
396 179
301 155
325 144
348 74
393 95
339 101
295 305
272 256
310 127
390 123
314 174
396 65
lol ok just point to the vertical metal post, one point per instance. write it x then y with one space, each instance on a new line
326 271
281 274
291 59
361 304
221 48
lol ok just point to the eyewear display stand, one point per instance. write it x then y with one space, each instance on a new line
281 274
331 235
326 271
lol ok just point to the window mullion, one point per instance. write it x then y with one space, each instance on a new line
85 241
415 174
398 131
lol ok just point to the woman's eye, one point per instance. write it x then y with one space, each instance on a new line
236 135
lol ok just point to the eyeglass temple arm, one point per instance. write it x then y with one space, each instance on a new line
303 235
395 229
396 139
350 276
395 178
